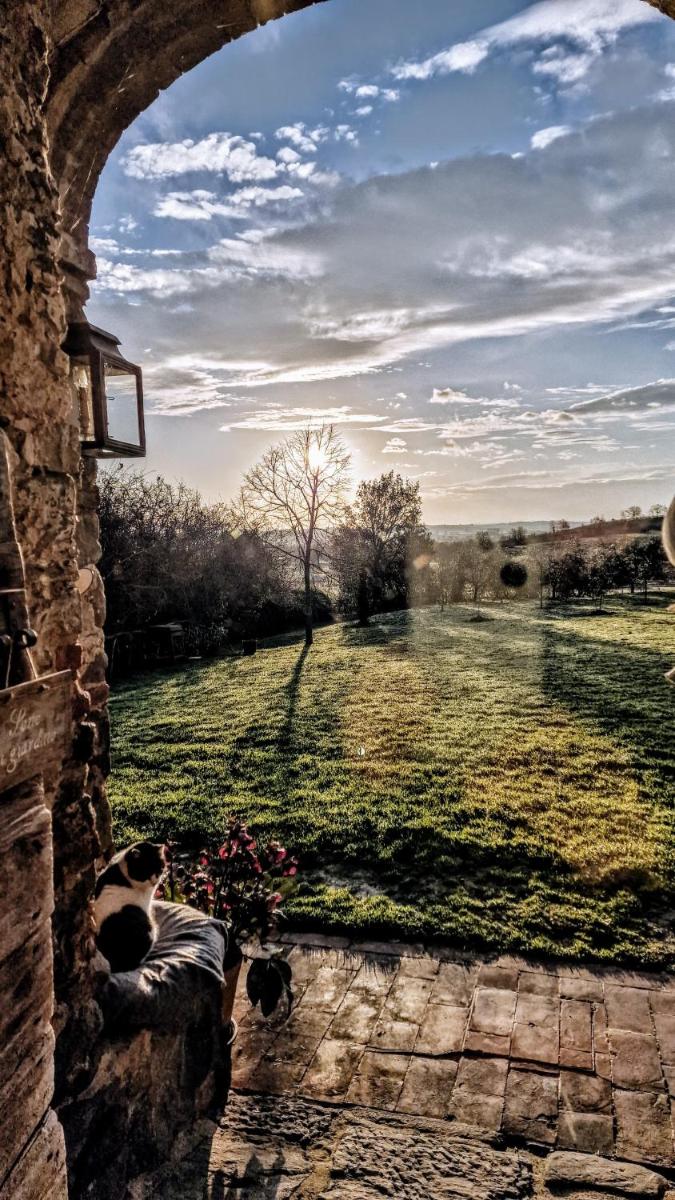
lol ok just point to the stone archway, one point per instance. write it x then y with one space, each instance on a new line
76 73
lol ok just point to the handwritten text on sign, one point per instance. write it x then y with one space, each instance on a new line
35 720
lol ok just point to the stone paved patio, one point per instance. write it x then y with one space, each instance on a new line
553 1057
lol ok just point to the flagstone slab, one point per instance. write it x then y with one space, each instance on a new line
428 1087
565 1170
442 1030
493 1010
551 1057
628 1008
590 1133
531 1106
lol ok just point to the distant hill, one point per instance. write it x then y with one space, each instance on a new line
456 533
540 531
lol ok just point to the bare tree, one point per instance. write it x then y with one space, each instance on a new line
294 496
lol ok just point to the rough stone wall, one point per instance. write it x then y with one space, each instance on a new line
33 413
149 1089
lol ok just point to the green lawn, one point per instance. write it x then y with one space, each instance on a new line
504 784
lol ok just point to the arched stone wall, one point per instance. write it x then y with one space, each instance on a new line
76 74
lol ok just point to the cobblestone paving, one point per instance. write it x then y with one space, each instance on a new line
553 1057
274 1148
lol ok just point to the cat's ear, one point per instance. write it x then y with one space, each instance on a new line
134 853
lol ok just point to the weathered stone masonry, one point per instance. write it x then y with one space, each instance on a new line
75 73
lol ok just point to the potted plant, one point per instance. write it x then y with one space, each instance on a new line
241 884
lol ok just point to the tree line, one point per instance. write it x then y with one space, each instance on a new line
292 550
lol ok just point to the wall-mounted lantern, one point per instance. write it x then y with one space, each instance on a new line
108 394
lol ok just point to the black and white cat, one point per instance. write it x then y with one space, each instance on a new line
123 904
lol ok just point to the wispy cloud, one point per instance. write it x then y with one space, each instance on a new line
369 94
568 34
200 205
631 400
276 419
545 137
229 260
481 247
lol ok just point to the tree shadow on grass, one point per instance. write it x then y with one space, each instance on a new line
383 629
620 688
286 740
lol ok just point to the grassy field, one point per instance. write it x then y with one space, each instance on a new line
506 783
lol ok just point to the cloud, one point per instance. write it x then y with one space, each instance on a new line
403 265
369 91
302 137
222 153
568 34
668 93
105 245
449 395
464 57
545 137
345 133
658 394
395 445
591 389
229 260
409 425
276 419
200 205
551 481
288 155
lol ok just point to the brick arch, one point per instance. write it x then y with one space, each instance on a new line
111 59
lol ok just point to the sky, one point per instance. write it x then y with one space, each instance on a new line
452 237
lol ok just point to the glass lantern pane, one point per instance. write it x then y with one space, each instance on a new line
121 404
80 373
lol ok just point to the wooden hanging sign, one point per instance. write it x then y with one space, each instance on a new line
35 727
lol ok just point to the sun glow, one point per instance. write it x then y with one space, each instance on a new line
317 458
